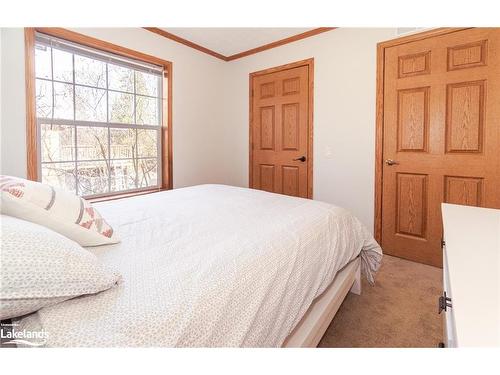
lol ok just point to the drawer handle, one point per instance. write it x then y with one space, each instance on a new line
443 303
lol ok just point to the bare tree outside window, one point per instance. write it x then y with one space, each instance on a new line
99 121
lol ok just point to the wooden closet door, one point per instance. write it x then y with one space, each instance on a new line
280 132
441 139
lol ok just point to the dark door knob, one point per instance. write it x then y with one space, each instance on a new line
302 159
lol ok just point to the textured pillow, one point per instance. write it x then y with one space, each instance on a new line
40 267
57 209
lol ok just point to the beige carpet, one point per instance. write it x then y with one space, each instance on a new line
401 310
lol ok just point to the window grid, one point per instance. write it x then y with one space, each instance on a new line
75 156
109 130
96 87
75 124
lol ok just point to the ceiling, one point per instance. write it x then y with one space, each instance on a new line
233 40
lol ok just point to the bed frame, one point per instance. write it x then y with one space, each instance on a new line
318 317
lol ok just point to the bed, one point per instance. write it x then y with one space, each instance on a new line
217 266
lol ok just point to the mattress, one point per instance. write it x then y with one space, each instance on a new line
210 266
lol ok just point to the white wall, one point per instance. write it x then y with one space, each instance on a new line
344 113
210 109
13 113
196 104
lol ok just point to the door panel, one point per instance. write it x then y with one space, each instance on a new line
280 131
465 116
267 121
266 177
441 136
413 119
411 210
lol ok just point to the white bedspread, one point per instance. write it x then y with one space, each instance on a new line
210 265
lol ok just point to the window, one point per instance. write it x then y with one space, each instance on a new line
99 119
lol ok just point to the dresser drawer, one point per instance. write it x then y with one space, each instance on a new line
449 321
471 266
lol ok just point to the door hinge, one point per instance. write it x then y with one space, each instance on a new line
443 243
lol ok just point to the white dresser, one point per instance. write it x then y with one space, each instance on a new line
471 267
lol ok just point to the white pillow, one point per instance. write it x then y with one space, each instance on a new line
57 209
40 267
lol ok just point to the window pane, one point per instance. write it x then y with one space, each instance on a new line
120 78
93 177
80 96
92 143
121 107
123 145
63 66
61 175
147 173
57 143
147 141
147 111
43 68
43 98
90 104
147 84
123 174
90 72
63 101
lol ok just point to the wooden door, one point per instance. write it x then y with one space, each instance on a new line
441 136
281 130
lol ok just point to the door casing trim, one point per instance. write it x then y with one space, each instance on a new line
310 65
379 115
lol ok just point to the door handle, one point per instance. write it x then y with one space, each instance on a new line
302 159
391 162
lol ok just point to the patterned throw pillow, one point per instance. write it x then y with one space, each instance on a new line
39 267
57 209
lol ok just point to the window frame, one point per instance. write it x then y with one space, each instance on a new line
32 134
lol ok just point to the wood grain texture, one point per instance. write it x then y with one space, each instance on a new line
467 191
449 114
379 140
413 119
31 127
291 86
465 116
427 34
411 210
379 114
310 132
290 122
167 131
467 55
167 128
414 64
291 102
267 90
266 177
267 128
290 180
101 44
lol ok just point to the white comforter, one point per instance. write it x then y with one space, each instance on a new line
210 265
